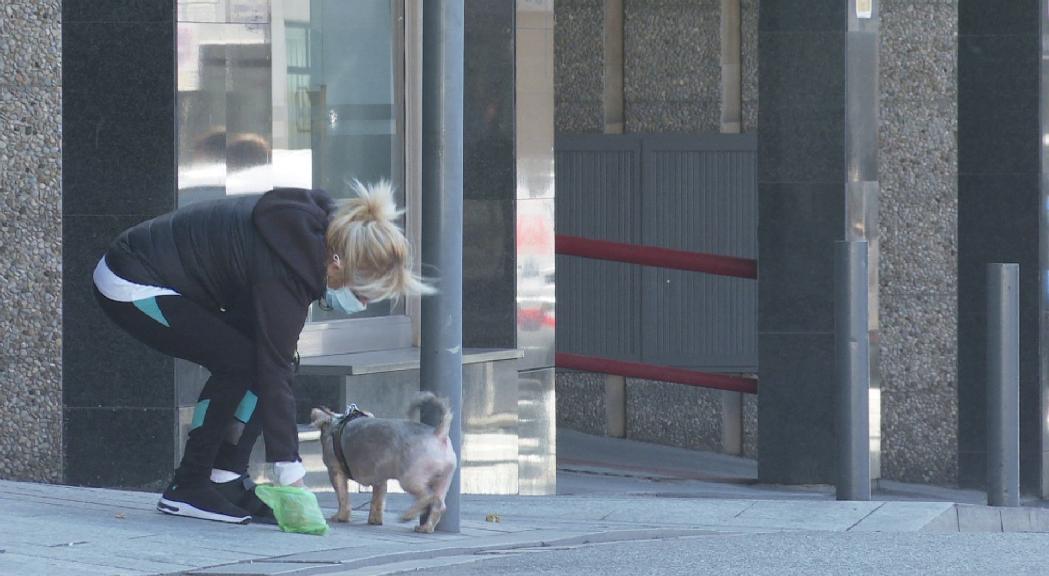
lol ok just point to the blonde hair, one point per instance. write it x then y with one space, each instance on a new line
376 257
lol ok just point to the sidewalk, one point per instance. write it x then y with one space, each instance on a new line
50 529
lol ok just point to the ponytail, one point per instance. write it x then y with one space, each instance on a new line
377 259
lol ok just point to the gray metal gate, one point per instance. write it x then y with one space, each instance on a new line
686 192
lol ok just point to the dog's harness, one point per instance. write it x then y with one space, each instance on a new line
352 413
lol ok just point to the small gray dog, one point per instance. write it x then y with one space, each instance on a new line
372 451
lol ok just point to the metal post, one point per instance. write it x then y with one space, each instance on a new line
853 370
615 406
441 369
1003 384
731 68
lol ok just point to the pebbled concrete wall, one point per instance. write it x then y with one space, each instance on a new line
919 218
579 56
749 64
581 401
31 240
672 66
673 414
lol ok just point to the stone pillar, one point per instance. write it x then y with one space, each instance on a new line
919 258
489 271
1001 218
118 114
31 241
817 184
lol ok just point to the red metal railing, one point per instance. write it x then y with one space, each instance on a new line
653 372
658 257
662 258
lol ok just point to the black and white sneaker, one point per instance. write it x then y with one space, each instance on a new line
201 502
234 489
241 492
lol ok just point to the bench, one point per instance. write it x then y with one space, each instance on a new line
384 382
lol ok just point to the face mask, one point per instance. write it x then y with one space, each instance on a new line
343 300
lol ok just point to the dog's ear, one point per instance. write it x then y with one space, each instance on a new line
320 418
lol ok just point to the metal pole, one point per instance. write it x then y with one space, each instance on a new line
1003 384
441 369
853 370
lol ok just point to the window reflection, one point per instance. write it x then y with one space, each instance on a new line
297 93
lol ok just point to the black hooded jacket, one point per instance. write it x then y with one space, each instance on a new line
261 261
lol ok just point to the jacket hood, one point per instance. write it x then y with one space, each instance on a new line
293 222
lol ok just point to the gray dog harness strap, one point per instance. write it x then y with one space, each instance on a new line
352 413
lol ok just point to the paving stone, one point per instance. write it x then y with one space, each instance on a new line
946 522
34 566
833 516
902 516
979 519
1015 519
259 569
1039 520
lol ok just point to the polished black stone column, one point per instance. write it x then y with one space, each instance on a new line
1001 218
817 184
118 157
489 250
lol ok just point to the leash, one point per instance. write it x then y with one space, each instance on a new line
352 413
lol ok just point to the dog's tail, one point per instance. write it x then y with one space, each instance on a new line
441 404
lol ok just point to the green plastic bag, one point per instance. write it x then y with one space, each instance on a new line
296 509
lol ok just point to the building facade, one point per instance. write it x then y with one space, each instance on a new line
99 100
678 67
166 103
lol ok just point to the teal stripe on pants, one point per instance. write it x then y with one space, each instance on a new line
246 407
198 414
150 308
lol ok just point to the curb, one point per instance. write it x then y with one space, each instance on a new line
974 518
378 560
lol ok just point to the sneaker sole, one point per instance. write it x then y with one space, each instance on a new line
182 509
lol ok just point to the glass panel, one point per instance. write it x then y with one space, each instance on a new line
224 110
302 93
229 11
341 101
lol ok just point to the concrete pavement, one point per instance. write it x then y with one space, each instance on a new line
48 529
778 554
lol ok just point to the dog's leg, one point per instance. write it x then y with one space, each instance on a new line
342 492
378 504
433 516
437 506
422 502
422 495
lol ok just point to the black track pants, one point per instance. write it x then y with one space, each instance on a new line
225 423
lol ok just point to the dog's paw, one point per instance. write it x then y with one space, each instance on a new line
424 529
375 521
340 518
